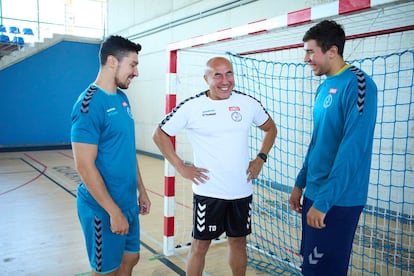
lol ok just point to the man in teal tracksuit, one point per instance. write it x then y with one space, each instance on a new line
335 173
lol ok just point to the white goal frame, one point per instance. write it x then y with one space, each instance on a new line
297 22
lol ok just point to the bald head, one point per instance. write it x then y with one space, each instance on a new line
216 61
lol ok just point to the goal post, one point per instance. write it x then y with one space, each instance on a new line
267 57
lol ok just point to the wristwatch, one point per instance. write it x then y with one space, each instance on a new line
262 156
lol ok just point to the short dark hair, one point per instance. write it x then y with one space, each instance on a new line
117 46
327 33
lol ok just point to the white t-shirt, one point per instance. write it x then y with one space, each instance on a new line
218 131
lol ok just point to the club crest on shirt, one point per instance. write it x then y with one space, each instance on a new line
328 100
236 116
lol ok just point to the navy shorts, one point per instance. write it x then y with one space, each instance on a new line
213 216
327 251
105 249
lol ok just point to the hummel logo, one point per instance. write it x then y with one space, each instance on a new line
315 256
201 214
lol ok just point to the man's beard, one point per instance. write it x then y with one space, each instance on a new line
121 85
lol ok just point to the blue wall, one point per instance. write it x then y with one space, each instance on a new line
37 94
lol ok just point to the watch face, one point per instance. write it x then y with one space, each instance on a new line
262 156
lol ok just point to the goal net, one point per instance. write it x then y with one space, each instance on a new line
269 66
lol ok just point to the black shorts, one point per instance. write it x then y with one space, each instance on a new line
213 216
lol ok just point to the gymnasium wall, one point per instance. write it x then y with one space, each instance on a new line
158 23
154 24
37 94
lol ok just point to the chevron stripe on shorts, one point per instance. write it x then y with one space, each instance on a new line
98 244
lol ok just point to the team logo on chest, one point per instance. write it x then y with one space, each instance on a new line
235 114
328 100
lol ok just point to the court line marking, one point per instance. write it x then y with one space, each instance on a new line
41 172
163 260
46 175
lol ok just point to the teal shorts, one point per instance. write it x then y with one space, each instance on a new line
105 249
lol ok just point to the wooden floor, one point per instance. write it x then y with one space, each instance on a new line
40 232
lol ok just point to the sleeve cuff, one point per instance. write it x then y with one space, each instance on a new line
322 206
